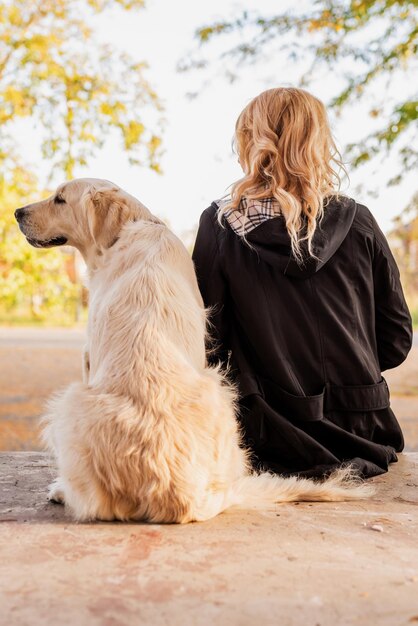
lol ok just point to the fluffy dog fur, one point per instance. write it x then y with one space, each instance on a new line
151 433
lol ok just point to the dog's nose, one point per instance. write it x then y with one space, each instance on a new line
19 214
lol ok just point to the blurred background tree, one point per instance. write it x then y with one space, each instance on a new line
363 43
77 92
403 239
33 282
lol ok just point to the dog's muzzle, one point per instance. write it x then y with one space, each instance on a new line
20 215
47 243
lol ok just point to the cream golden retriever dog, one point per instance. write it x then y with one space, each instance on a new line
151 433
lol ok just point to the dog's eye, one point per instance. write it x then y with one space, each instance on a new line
59 200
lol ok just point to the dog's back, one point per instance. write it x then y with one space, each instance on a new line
153 431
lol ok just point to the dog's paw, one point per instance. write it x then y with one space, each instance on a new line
56 492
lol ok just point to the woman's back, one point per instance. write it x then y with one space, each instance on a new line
307 305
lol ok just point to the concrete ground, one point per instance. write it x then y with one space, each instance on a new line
35 362
321 564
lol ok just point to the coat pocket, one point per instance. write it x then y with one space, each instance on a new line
312 408
354 398
298 407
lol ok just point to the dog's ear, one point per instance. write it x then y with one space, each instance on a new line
105 215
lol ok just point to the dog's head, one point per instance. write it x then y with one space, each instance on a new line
87 213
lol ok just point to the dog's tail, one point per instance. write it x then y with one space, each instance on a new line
265 488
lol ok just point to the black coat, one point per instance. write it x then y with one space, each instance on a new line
307 344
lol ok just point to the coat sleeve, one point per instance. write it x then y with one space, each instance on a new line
393 320
213 286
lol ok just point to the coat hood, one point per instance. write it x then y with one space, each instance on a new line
271 241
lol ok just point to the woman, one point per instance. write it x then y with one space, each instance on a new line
306 303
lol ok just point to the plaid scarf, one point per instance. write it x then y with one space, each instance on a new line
250 214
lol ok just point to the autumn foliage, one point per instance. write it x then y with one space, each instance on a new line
76 91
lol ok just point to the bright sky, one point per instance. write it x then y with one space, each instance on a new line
198 163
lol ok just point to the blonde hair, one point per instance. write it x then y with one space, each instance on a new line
286 149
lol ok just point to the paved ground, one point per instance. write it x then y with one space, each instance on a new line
322 564
35 362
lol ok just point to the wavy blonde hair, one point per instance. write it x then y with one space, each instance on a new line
286 150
